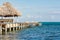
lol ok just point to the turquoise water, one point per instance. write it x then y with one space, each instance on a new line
48 31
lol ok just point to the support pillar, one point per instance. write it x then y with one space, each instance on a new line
5 30
16 28
21 25
1 29
13 29
10 29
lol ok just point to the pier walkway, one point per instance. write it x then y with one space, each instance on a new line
8 27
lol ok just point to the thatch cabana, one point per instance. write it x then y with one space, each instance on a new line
6 10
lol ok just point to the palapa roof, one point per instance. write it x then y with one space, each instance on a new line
6 10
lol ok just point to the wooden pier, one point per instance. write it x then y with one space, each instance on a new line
9 27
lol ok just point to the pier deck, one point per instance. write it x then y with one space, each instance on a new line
8 27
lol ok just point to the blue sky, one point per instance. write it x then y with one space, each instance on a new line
37 10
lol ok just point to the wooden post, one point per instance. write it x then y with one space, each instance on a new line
1 29
16 28
21 25
13 29
5 30
10 29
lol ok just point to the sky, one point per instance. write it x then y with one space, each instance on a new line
36 10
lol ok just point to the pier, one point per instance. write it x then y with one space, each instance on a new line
8 25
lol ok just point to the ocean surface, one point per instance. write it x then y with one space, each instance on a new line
47 31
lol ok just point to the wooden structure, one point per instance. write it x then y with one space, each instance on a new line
6 10
7 25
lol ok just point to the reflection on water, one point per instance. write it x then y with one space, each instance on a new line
9 36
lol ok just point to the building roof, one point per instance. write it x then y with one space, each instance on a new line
6 10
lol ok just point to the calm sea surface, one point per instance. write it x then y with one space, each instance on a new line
48 31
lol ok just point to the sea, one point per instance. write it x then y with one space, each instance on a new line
46 31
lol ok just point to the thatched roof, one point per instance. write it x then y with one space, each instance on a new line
6 10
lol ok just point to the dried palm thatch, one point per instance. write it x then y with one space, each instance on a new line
8 11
